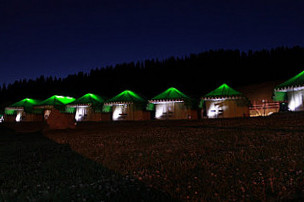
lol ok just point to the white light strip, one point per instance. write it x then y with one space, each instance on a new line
164 102
288 89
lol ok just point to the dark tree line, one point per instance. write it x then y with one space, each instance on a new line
194 75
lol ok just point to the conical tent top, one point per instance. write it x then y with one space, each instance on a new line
27 102
125 97
57 100
171 94
88 99
223 91
296 81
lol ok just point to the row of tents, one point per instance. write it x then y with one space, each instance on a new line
223 102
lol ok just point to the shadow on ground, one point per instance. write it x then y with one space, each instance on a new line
33 168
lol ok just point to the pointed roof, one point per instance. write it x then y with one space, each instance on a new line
26 102
88 99
223 91
296 81
171 94
56 100
125 97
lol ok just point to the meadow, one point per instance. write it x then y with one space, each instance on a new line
207 160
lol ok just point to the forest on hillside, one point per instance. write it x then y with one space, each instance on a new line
195 75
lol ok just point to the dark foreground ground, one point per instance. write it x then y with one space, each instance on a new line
225 159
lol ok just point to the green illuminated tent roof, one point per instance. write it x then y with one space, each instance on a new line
126 96
27 102
171 94
88 99
224 91
57 100
295 81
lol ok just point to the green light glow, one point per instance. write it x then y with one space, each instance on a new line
150 107
126 96
297 80
10 111
279 96
70 110
171 94
223 91
88 99
27 102
106 108
56 100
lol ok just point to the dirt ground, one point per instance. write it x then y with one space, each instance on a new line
221 159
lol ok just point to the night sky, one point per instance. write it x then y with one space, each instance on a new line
62 37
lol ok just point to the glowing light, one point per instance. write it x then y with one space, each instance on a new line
47 114
295 83
164 110
126 96
169 95
19 116
295 100
1 118
224 91
159 110
119 112
166 102
57 100
81 113
215 110
88 99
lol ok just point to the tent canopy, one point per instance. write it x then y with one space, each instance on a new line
88 99
124 97
57 100
171 94
296 81
25 103
223 91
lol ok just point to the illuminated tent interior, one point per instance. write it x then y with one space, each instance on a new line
23 111
224 102
57 102
87 108
128 105
292 92
173 104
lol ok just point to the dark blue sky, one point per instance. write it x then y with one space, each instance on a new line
62 37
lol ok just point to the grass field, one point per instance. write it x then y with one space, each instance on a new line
225 159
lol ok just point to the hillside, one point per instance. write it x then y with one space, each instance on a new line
195 75
244 159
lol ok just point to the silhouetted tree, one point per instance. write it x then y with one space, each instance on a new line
195 74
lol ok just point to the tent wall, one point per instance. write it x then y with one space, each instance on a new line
129 112
227 108
33 118
88 114
25 118
296 100
140 115
9 118
106 116
174 110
